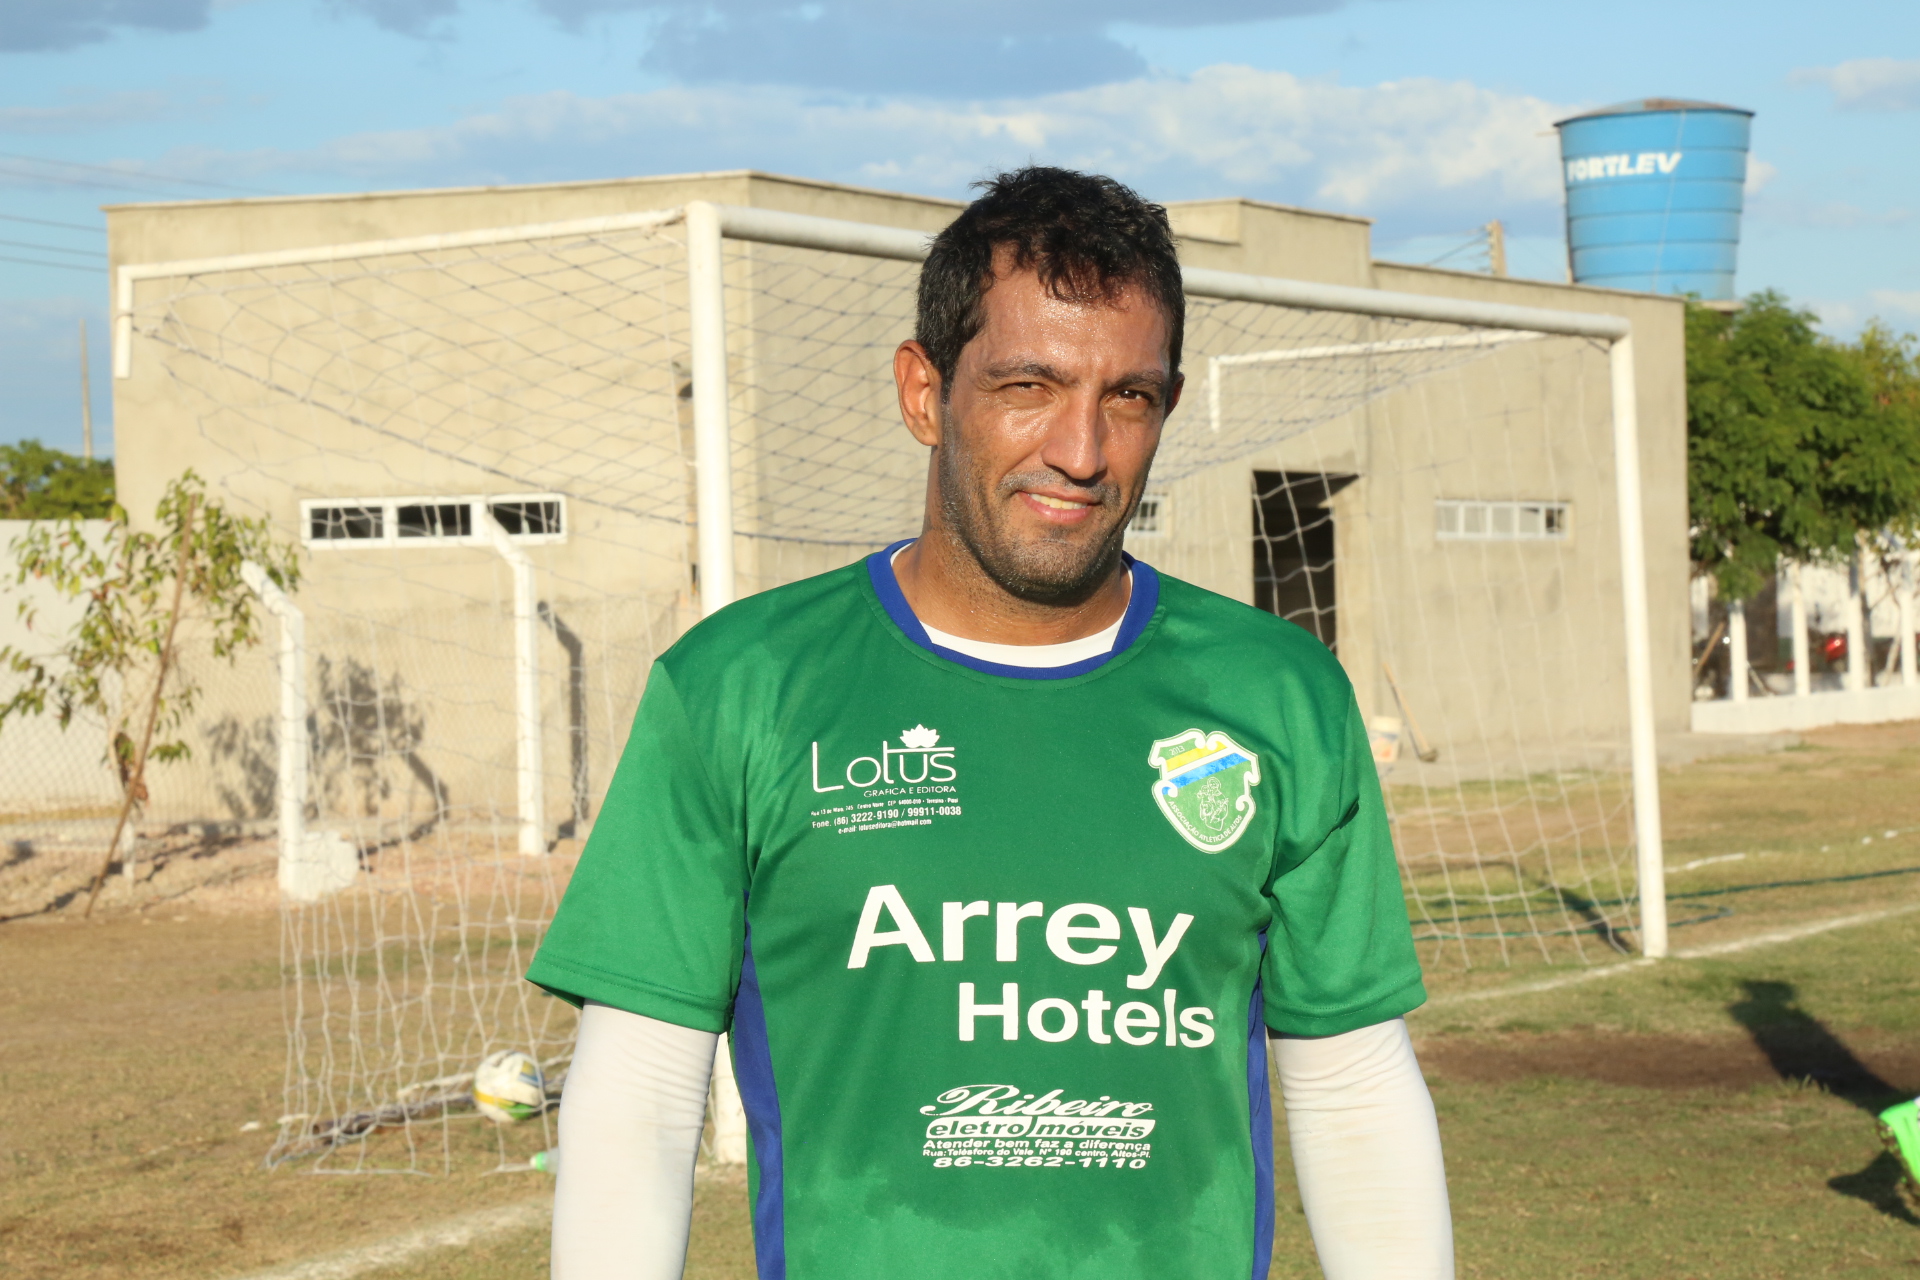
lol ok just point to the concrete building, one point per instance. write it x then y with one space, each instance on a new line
1452 520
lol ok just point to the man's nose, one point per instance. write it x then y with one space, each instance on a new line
1075 444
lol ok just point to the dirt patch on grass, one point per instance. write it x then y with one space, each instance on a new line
1899 735
212 872
1860 1065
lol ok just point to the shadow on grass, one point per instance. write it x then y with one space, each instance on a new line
1589 910
1801 1047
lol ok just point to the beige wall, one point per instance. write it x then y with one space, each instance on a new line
1659 339
572 378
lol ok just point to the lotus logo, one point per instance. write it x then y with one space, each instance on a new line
918 759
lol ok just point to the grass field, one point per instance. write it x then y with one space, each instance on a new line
1704 1117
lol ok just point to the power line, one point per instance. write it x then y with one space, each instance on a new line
70 266
87 184
42 222
52 248
123 173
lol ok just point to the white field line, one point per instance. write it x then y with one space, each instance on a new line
454 1233
1794 935
1695 953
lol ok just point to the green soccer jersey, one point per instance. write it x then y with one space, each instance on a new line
997 947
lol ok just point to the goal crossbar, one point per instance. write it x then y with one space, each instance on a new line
1338 351
708 225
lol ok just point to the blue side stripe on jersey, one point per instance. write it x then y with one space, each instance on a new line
1260 1124
1140 606
753 1071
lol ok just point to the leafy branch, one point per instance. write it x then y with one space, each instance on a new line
1797 445
120 663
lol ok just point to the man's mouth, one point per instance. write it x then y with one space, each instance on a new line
1058 504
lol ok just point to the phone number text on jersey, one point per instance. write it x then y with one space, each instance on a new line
1040 1162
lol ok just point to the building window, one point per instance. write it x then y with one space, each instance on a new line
1150 518
435 520
1458 521
359 523
356 523
530 517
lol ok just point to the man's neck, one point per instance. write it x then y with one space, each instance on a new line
949 591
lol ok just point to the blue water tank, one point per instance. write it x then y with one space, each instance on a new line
1654 192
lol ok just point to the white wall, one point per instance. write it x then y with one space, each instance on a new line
45 772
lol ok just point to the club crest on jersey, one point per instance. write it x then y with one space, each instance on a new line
1205 787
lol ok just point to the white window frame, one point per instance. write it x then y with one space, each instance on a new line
1162 515
390 523
1502 521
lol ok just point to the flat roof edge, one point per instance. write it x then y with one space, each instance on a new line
1269 204
1454 273
417 193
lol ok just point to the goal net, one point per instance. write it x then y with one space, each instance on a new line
486 444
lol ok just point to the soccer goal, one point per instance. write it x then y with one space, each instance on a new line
524 460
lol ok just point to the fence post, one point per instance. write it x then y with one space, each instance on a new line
291 785
312 864
1737 665
1904 590
1859 674
526 687
1802 651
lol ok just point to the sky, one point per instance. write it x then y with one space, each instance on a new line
1429 116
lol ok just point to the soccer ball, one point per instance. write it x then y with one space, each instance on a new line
508 1087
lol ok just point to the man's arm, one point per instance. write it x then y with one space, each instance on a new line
630 1121
1366 1151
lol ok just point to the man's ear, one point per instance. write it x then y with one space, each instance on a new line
918 384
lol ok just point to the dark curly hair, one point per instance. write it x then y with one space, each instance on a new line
1086 236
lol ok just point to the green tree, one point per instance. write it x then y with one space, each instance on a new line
38 483
120 662
1796 444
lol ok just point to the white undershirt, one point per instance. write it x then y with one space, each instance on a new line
1031 655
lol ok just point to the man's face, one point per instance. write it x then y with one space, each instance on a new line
1048 432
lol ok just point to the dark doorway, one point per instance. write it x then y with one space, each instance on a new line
1293 570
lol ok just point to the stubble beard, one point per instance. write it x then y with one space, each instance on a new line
1061 568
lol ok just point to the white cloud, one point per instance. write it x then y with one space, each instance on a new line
1846 317
1838 317
1907 302
1428 148
1832 215
1759 174
1868 84
102 110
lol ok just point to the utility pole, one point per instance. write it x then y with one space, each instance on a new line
1497 247
86 398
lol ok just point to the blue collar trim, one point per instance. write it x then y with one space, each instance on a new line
1140 607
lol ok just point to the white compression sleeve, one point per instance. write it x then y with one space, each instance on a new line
1366 1151
630 1119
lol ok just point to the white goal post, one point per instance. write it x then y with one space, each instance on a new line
708 224
544 333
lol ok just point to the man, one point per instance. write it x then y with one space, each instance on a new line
999 854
